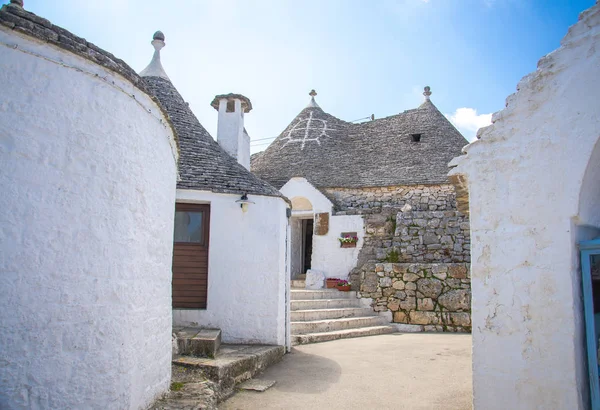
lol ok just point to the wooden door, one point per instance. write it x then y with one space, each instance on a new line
190 256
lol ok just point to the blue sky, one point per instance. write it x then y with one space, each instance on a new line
362 56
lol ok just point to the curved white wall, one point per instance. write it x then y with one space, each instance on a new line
532 198
247 269
87 178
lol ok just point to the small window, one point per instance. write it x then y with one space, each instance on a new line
231 106
416 137
189 227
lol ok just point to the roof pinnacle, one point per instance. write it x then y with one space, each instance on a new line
312 102
155 68
427 92
17 2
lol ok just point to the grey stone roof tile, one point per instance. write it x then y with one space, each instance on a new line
203 164
329 152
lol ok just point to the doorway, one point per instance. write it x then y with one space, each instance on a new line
307 242
302 244
190 256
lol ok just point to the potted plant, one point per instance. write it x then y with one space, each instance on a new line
343 285
332 282
348 241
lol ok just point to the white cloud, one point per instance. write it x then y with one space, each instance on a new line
468 121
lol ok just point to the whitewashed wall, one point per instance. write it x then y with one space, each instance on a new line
86 214
247 273
327 255
533 196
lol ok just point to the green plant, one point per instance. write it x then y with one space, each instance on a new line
176 386
343 282
393 256
348 239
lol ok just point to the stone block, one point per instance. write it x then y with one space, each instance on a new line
393 304
385 282
430 287
410 303
410 277
411 286
321 223
425 304
387 292
461 319
398 285
455 300
400 317
424 318
405 328
430 239
315 279
457 271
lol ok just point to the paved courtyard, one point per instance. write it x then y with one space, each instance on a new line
396 371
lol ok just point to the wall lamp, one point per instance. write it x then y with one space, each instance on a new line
244 202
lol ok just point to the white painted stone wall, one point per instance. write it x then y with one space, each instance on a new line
87 179
327 255
247 272
533 196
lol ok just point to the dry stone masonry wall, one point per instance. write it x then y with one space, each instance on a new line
414 259
429 296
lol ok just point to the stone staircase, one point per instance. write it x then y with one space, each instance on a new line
328 314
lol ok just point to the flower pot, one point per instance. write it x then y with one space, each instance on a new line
348 245
344 288
332 283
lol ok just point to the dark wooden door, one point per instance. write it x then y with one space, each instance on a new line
190 255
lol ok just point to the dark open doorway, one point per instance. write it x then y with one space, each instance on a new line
307 239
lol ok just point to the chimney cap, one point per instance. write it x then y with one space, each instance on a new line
246 104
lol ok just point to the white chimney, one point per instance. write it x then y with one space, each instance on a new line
231 135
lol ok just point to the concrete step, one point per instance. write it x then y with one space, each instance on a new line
233 364
298 284
321 294
330 325
341 334
194 341
324 304
320 314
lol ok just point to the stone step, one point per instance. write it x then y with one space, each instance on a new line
341 334
194 341
298 284
324 304
321 294
331 325
320 314
233 364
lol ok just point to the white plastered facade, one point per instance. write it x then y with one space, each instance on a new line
248 279
88 186
534 191
327 255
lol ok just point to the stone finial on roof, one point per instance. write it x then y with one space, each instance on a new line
155 68
427 92
17 2
312 102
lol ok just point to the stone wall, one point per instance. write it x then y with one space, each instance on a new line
364 201
429 297
420 223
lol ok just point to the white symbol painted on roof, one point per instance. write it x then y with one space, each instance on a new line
307 129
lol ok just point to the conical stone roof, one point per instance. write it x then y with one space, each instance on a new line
332 153
203 164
